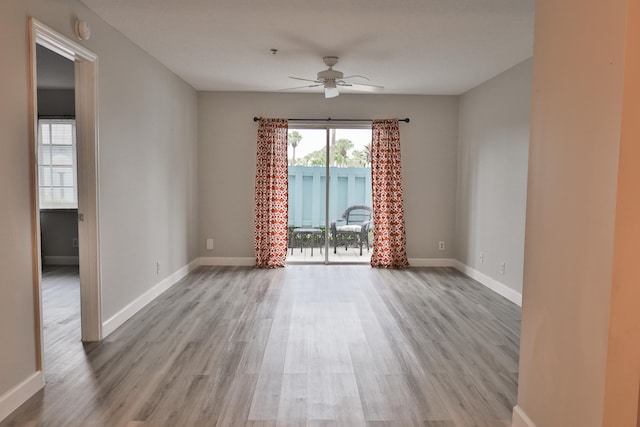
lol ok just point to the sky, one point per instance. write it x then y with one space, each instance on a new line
314 139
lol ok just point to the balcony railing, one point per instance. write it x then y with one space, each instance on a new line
307 193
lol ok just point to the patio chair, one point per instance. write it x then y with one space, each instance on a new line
352 228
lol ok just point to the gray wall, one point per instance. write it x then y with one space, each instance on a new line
492 175
227 152
56 102
58 229
147 171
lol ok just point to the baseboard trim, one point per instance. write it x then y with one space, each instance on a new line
494 285
12 399
60 260
520 418
432 262
237 261
139 303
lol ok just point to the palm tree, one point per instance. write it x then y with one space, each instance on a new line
332 147
316 158
367 152
358 159
343 146
294 139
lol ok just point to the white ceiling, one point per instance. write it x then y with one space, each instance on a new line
408 46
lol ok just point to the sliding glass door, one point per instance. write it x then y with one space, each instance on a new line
329 194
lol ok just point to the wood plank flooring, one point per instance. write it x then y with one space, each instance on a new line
308 345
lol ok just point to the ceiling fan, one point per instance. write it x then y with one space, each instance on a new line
333 79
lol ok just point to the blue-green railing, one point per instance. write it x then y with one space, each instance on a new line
307 193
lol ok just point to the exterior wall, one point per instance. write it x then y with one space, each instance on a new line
492 175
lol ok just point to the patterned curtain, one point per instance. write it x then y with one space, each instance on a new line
389 239
271 210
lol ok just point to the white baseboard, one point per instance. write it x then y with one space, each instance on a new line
126 313
11 400
238 261
494 285
60 260
520 418
432 262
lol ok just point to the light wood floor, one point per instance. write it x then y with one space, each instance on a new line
305 345
349 256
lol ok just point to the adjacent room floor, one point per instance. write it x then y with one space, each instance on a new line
306 345
61 320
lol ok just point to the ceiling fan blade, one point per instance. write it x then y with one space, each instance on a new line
299 87
331 92
367 88
304 80
356 76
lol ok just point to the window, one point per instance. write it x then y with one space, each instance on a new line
57 164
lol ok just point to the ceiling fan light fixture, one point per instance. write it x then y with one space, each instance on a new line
330 89
331 92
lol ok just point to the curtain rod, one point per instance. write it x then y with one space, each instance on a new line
255 119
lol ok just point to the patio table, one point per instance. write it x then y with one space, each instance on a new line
298 233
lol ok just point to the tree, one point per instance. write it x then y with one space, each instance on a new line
332 147
367 153
294 138
343 146
358 159
316 158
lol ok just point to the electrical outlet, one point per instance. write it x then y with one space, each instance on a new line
74 242
502 267
481 257
157 267
441 246
209 244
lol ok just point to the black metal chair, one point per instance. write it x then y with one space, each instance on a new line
352 228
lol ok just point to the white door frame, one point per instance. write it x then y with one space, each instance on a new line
86 98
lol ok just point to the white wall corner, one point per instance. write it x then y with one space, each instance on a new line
520 418
432 262
139 303
497 287
231 261
12 399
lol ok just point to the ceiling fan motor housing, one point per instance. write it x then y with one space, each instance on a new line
330 74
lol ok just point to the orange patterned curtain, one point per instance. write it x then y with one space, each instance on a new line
271 210
389 238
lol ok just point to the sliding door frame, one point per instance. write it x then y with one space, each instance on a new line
334 125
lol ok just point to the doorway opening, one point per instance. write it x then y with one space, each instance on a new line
58 208
64 168
330 194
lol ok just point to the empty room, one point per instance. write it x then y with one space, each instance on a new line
418 213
